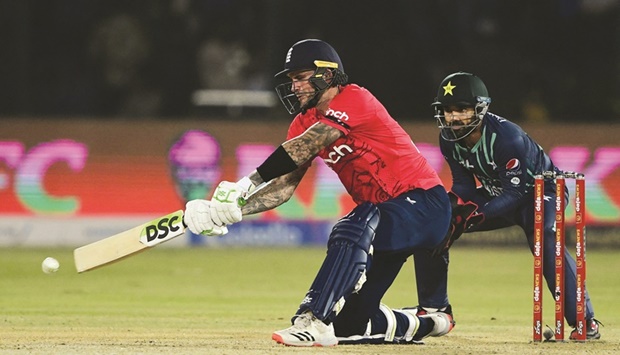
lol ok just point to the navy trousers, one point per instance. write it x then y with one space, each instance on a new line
411 224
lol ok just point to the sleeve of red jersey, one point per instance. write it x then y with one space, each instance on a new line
295 128
345 112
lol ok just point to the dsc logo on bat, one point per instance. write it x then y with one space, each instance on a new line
162 229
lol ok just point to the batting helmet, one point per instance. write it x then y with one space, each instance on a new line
311 54
305 55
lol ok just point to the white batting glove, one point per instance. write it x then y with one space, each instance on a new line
216 231
225 203
224 206
197 217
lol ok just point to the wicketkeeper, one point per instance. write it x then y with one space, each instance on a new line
479 145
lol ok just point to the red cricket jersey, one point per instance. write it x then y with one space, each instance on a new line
376 159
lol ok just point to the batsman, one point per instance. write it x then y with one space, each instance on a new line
402 208
481 146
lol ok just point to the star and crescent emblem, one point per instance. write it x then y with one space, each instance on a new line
448 89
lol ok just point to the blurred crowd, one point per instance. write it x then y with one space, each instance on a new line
543 60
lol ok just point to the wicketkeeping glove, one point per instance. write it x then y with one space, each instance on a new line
464 216
197 218
474 220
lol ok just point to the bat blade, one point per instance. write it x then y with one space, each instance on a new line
129 242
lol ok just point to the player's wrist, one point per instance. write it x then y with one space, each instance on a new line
277 164
246 184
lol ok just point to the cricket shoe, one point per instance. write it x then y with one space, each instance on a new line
592 332
307 330
443 322
420 311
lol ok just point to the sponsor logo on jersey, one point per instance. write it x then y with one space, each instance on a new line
515 181
513 164
493 190
513 167
341 115
337 153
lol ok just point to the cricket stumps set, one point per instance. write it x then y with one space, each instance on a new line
559 246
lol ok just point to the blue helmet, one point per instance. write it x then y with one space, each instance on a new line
310 54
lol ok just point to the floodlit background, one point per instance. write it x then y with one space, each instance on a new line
113 112
553 60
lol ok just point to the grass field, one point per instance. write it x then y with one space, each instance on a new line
228 301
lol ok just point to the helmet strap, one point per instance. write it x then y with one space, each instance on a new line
321 80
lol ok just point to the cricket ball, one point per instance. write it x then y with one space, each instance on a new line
50 265
548 333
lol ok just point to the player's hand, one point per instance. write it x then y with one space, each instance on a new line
462 214
227 200
197 217
473 221
224 203
216 231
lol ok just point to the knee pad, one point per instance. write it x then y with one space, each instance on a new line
357 228
344 268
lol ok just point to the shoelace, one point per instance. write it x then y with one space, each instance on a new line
302 321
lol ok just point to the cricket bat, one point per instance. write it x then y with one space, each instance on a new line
130 242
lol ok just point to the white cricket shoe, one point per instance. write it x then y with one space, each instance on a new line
443 323
307 330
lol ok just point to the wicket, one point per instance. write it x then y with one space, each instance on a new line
580 254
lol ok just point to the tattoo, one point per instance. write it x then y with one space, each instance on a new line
255 178
273 194
301 149
306 146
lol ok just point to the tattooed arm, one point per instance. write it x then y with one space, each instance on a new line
301 149
283 169
306 146
273 194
